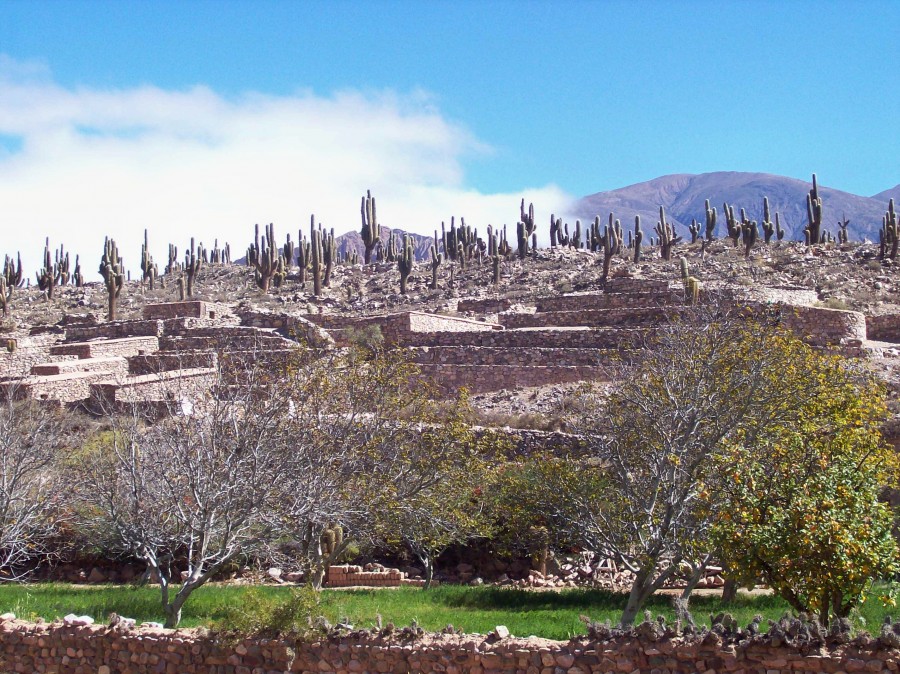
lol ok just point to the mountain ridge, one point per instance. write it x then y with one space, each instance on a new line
683 195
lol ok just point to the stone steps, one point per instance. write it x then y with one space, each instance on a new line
230 342
163 361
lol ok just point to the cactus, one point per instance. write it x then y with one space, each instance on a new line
179 284
667 237
638 237
192 265
370 230
174 267
317 254
779 230
711 217
749 234
148 268
47 276
9 280
890 233
78 277
555 231
303 255
691 284
329 252
576 237
62 266
694 229
612 244
288 251
843 223
731 224
5 296
436 259
814 214
265 258
113 272
767 225
405 262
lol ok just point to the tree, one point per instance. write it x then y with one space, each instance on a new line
439 497
801 508
262 453
712 379
32 499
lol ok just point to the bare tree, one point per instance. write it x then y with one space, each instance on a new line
31 494
263 452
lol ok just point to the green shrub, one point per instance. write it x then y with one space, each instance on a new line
264 614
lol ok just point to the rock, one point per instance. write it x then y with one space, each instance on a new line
96 576
293 577
152 625
476 582
7 616
275 573
78 620
500 632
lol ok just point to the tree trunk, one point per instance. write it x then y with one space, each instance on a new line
111 305
693 581
729 590
429 570
640 590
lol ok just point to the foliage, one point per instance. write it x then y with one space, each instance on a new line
266 615
801 508
701 384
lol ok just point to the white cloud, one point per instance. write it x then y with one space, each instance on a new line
188 163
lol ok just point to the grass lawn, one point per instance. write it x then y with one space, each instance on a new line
474 609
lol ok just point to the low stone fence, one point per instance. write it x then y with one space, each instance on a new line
349 575
520 357
401 328
601 300
114 330
27 352
188 309
625 317
62 649
126 346
578 337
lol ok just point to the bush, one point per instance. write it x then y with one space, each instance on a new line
261 614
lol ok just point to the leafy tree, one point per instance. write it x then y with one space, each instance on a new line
709 381
801 508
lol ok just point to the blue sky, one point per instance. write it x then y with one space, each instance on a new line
439 107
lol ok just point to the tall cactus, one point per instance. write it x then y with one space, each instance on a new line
329 249
316 255
436 259
694 229
265 258
691 284
638 238
612 244
303 253
767 225
113 272
192 265
47 276
148 268
843 224
813 229
370 231
78 277
667 237
405 262
12 272
711 217
173 266
890 232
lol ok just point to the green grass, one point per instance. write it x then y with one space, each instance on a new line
546 614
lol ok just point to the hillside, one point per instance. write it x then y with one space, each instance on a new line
683 196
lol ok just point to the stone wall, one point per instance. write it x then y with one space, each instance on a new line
127 346
519 357
625 317
578 337
884 328
188 309
29 351
63 649
818 326
602 300
483 378
115 330
401 328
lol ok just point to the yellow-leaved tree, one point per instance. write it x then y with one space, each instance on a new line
799 503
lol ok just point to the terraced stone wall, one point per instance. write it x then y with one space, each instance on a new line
27 647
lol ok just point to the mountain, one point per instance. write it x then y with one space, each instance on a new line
352 241
887 195
683 196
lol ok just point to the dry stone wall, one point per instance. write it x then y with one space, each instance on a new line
61 649
884 328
